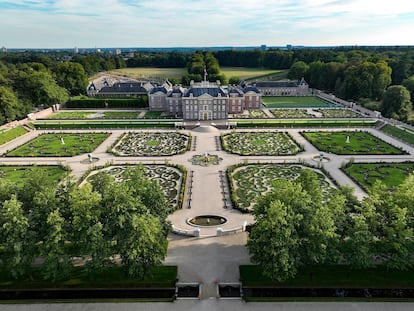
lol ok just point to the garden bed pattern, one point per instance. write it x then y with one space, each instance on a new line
59 145
391 174
151 144
260 143
359 143
252 181
169 178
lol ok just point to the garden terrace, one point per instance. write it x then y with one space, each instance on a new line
250 182
8 135
359 143
291 113
169 178
59 145
403 134
81 115
260 143
103 124
147 144
17 174
366 174
296 102
317 123
338 113
252 114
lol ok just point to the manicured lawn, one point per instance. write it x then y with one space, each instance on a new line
50 145
391 174
67 115
8 135
295 102
121 114
152 114
163 276
402 134
359 143
17 174
150 73
245 73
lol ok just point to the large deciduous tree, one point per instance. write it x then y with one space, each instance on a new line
397 103
72 76
298 70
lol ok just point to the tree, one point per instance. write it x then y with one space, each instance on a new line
397 103
298 70
10 107
52 248
72 77
274 242
15 238
409 85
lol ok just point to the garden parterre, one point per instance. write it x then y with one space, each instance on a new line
250 182
259 143
169 178
151 144
359 143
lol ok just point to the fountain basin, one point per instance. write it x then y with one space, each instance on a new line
206 221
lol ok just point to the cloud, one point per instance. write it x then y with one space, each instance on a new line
200 22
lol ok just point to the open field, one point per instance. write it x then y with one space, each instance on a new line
17 174
163 73
62 145
359 143
295 102
391 174
8 135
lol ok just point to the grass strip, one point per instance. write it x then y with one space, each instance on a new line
8 135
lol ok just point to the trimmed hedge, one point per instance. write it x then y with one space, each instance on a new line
109 125
136 102
305 123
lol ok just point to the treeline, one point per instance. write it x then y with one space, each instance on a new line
160 59
105 223
297 225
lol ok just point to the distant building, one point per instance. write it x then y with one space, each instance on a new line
75 50
283 88
3 50
120 89
118 52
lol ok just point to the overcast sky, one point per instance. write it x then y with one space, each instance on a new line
184 23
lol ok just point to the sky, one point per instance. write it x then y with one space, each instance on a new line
203 23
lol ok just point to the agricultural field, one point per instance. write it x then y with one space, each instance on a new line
391 174
296 102
151 144
160 74
17 174
259 143
359 143
9 135
59 145
250 182
169 178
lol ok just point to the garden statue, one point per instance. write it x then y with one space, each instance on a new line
90 157
347 140
62 141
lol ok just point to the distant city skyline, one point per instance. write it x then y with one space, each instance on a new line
190 23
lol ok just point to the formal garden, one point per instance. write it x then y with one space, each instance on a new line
8 135
59 145
152 144
169 178
333 113
260 143
251 181
350 143
296 102
251 114
19 173
366 174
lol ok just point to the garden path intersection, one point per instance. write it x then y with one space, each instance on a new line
210 259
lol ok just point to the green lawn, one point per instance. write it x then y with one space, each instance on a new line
245 73
162 276
331 276
67 115
295 102
17 174
8 135
359 143
402 134
121 114
50 145
391 174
